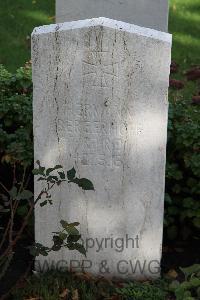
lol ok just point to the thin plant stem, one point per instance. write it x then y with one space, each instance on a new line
23 179
24 224
5 234
3 186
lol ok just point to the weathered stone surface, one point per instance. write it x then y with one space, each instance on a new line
100 105
146 13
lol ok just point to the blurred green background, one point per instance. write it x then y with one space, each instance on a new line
19 17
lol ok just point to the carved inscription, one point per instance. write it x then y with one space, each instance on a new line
98 123
99 69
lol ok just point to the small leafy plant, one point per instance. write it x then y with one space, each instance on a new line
182 206
189 289
142 291
68 236
16 143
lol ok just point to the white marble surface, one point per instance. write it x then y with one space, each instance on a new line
147 13
100 105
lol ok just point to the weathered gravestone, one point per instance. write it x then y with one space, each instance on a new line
147 13
100 105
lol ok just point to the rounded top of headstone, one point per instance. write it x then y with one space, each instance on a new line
104 22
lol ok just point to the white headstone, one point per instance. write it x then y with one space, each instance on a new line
147 13
100 104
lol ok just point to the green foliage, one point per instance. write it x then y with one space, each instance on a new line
182 209
68 236
16 116
17 20
143 291
189 289
16 194
184 19
84 183
191 271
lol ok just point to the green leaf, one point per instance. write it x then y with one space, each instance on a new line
174 285
74 224
58 242
62 175
72 230
43 252
35 172
52 178
39 171
64 224
57 239
71 174
33 251
25 195
186 295
57 167
190 270
56 247
70 246
168 198
80 248
43 203
22 210
84 183
63 236
38 249
41 178
73 238
49 170
195 282
13 192
196 222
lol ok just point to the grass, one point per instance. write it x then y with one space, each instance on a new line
17 20
184 24
54 285
19 17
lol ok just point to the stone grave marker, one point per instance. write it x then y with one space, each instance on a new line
146 13
100 105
